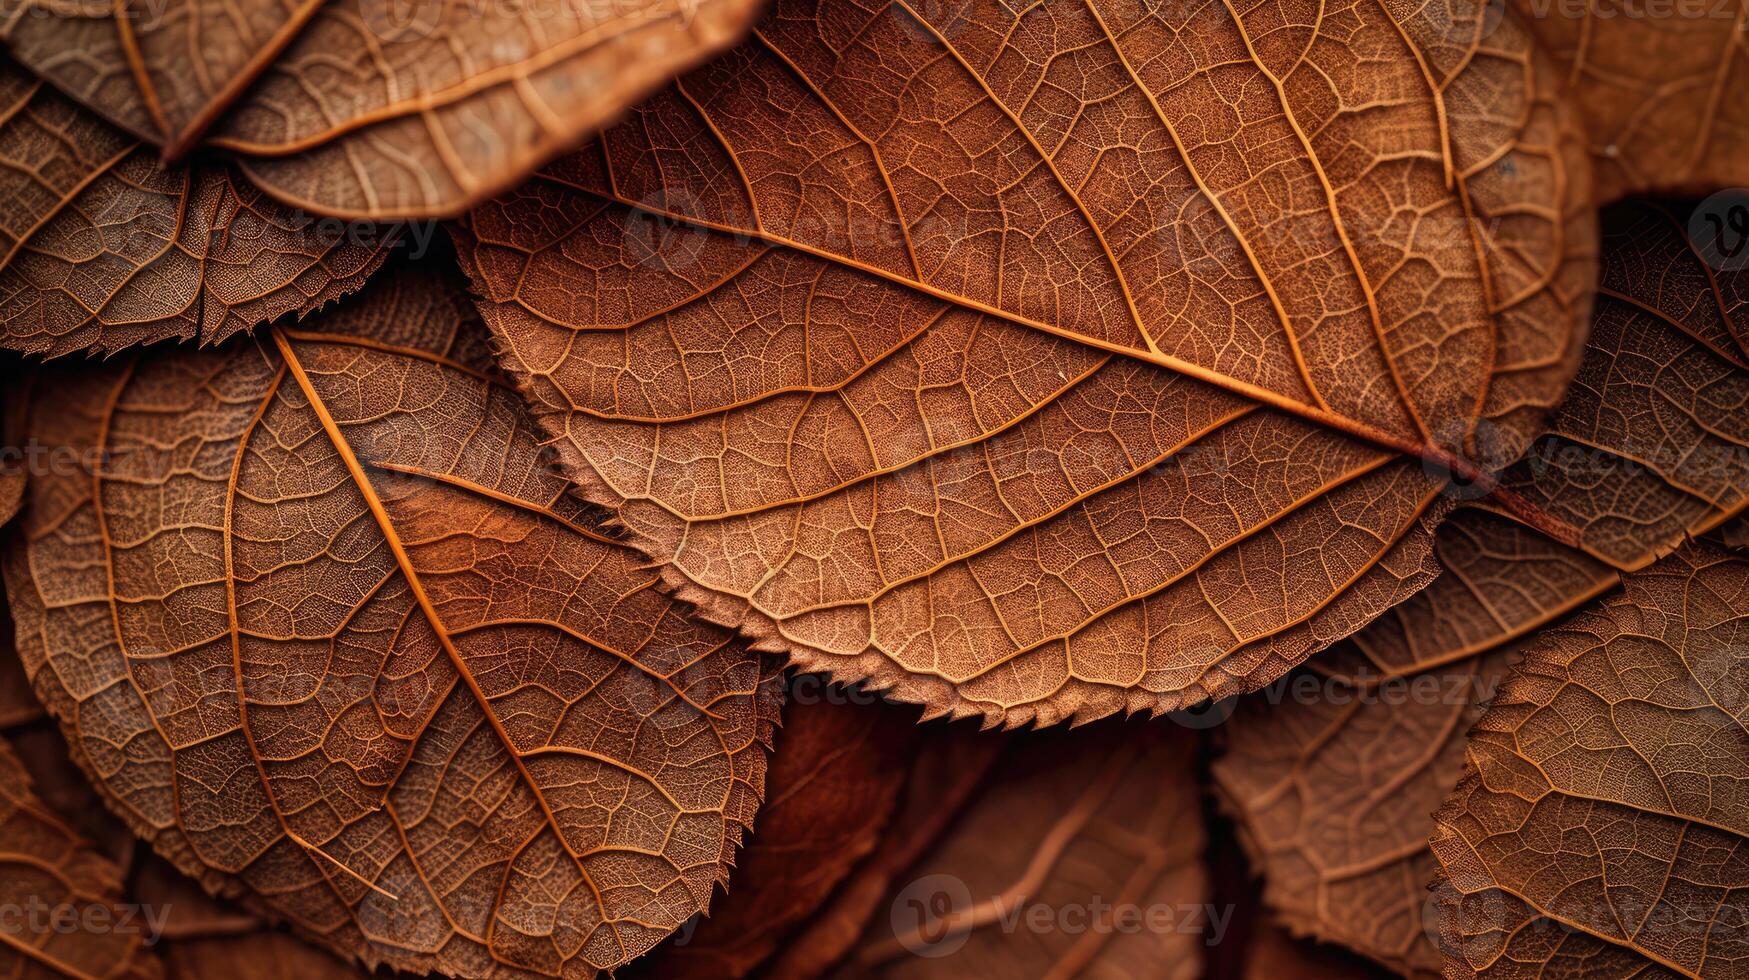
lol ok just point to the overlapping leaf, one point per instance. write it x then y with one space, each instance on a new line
369 108
101 248
834 777
63 897
1106 880
1060 362
322 627
1658 86
1600 827
945 774
1334 774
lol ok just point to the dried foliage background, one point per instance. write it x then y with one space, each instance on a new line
711 489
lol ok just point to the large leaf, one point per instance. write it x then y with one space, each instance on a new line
65 914
324 629
1600 828
369 108
1093 358
1657 85
1079 854
101 248
1334 773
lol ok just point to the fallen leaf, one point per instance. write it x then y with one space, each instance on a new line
323 628
949 766
369 108
1104 878
102 248
1599 827
1655 84
834 776
1054 364
1334 773
63 896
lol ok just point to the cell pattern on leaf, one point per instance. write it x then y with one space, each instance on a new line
1056 363
322 626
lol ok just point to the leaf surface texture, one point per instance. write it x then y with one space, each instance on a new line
102 248
1054 364
323 628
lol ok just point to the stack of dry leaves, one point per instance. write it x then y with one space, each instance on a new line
489 482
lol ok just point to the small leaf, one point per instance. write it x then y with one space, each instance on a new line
48 869
103 248
1334 772
1600 827
372 109
323 628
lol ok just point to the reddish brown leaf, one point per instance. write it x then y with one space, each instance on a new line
1052 364
1659 88
62 896
1081 852
833 779
951 763
323 628
1600 828
1334 774
369 108
102 248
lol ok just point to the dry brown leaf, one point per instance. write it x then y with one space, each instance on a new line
951 763
1054 364
1080 853
207 939
322 627
834 776
63 898
369 108
1334 774
1659 86
1600 828
101 248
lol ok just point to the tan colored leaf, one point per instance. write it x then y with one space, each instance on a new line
324 629
63 897
1080 854
101 248
1659 86
1334 774
1600 827
1054 364
834 776
369 108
